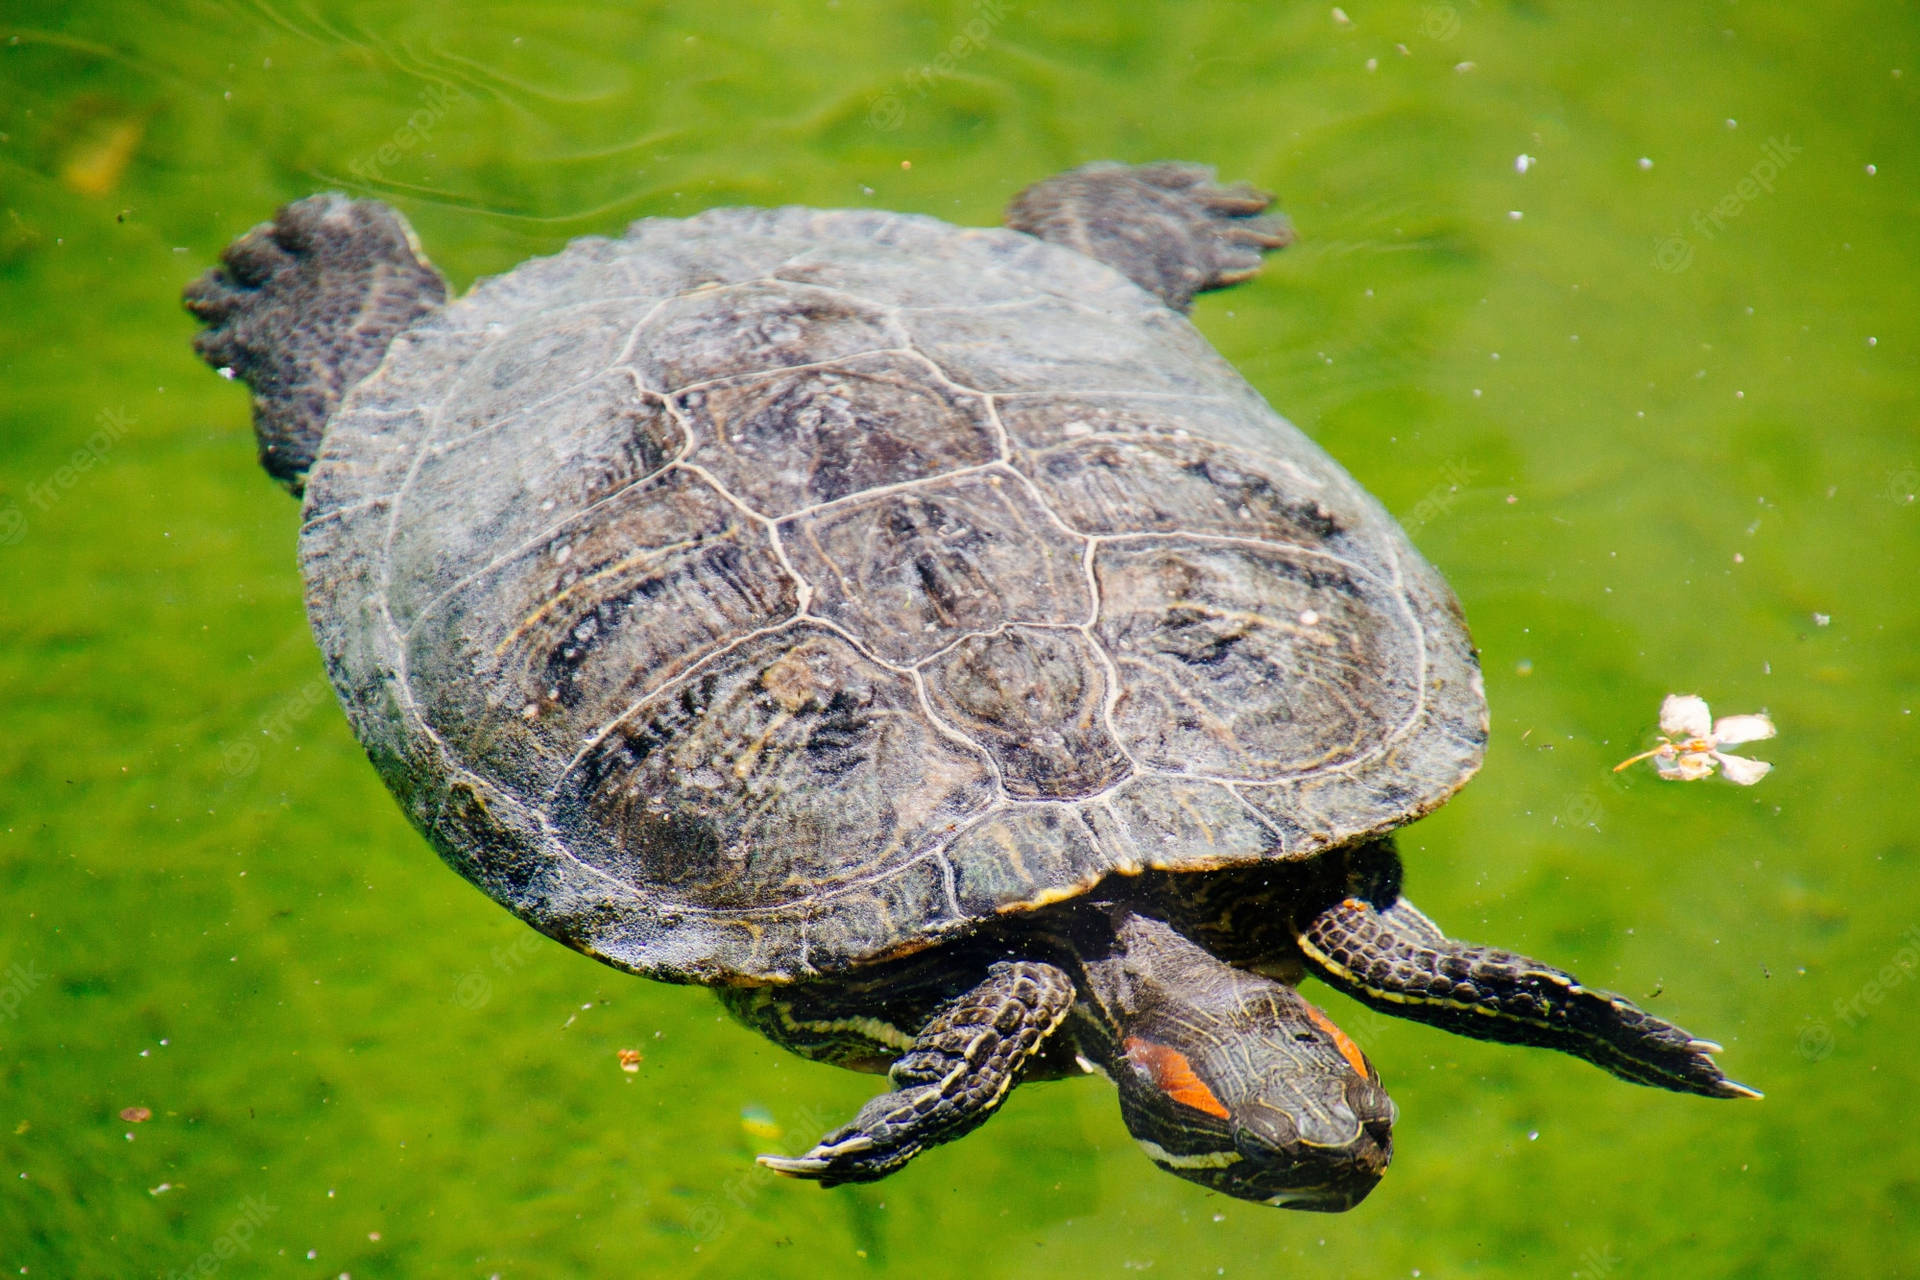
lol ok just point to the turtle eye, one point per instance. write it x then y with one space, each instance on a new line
1172 1075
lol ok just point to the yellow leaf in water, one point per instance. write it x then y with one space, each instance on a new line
758 1122
94 165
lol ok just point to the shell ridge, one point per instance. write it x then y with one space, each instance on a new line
592 743
549 533
957 734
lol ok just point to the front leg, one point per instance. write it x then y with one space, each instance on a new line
1373 945
956 1074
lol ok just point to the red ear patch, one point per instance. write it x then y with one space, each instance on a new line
1348 1049
1173 1075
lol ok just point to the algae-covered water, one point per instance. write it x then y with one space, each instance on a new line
1613 306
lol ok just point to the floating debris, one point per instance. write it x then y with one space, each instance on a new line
630 1060
1691 746
135 1115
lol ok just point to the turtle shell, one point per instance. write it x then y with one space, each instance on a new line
774 591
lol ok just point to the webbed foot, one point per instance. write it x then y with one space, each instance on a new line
1168 227
303 308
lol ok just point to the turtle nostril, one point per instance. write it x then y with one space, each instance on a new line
1332 1127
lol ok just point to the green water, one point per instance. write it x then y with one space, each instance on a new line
1657 428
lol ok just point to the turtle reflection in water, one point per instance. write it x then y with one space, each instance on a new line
917 633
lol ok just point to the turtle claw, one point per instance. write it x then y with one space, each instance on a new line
1717 1085
807 1166
842 1157
1690 1070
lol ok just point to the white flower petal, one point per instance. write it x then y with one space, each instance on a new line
1733 730
1685 715
1742 770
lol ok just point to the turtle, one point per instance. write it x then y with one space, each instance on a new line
917 633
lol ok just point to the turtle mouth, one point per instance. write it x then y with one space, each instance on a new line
1327 1181
1317 1179
1323 1199
1293 1171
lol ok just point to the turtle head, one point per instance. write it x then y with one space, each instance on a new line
1234 1081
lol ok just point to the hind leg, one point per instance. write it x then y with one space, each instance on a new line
1167 227
304 307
